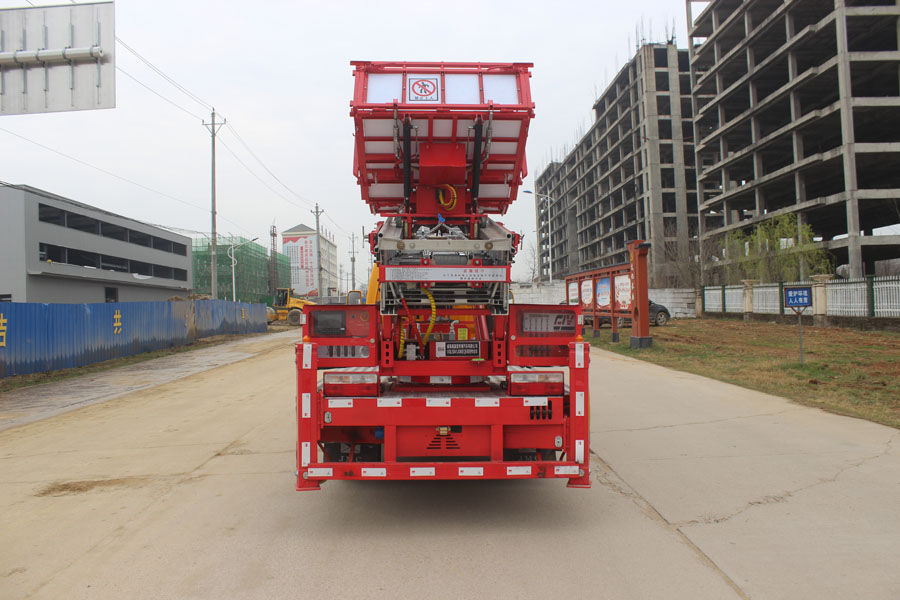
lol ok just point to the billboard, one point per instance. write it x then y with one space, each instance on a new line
573 292
57 58
587 294
623 292
603 293
301 250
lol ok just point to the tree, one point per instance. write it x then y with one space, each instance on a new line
778 249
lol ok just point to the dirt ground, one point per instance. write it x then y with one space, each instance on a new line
850 372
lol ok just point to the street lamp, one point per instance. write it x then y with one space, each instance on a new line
548 199
233 263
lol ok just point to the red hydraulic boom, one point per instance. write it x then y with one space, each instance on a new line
442 377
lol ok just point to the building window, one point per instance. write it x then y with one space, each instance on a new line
141 239
111 294
51 214
162 244
140 268
665 129
662 81
663 104
83 223
5 297
83 258
116 232
661 57
180 249
114 263
51 253
666 154
179 274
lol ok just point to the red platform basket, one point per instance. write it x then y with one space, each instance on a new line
442 103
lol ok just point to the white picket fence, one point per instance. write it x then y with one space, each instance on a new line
847 298
863 297
767 299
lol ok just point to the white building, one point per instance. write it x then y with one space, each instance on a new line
299 244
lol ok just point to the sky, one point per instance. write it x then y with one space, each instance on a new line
280 74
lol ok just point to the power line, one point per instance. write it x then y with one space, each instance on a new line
152 91
160 72
260 179
111 174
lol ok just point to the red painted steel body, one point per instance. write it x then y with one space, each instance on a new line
442 378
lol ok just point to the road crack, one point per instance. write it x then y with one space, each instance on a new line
787 495
610 479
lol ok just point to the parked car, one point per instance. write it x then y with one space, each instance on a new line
659 315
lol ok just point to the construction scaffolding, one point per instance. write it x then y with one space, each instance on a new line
251 272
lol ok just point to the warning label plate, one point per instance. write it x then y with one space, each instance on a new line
422 89
457 349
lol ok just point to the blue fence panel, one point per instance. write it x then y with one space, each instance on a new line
36 338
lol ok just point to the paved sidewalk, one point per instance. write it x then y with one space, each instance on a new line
30 404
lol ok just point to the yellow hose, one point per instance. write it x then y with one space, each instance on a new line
433 316
450 204
402 338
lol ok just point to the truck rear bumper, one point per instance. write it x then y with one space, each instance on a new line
311 477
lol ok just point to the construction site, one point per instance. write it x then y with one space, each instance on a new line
796 112
257 270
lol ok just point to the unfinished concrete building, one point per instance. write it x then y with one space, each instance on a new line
631 176
797 110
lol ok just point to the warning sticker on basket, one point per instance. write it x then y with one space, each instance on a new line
422 89
457 349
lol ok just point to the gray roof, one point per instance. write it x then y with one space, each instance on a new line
301 228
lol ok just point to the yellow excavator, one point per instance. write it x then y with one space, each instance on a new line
286 307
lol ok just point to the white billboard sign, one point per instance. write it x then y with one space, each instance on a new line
57 58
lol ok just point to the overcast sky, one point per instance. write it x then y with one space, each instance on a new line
280 73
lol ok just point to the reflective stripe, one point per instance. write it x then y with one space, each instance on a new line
304 408
566 470
307 356
340 403
440 379
379 472
487 402
438 402
579 451
536 401
304 454
390 402
320 472
579 404
518 470
471 471
579 355
421 471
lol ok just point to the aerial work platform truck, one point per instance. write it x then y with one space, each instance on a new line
440 376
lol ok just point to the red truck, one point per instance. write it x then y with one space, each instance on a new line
440 376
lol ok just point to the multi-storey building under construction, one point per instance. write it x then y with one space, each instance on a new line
631 176
797 111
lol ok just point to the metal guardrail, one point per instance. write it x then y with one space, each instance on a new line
36 338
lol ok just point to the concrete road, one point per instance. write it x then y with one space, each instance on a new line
703 490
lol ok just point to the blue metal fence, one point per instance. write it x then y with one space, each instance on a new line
35 338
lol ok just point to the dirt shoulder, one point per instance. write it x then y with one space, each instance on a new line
855 373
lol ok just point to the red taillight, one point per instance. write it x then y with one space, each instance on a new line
349 385
536 383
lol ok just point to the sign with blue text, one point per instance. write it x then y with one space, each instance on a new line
797 297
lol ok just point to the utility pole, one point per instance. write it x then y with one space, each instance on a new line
318 212
352 261
340 278
213 128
